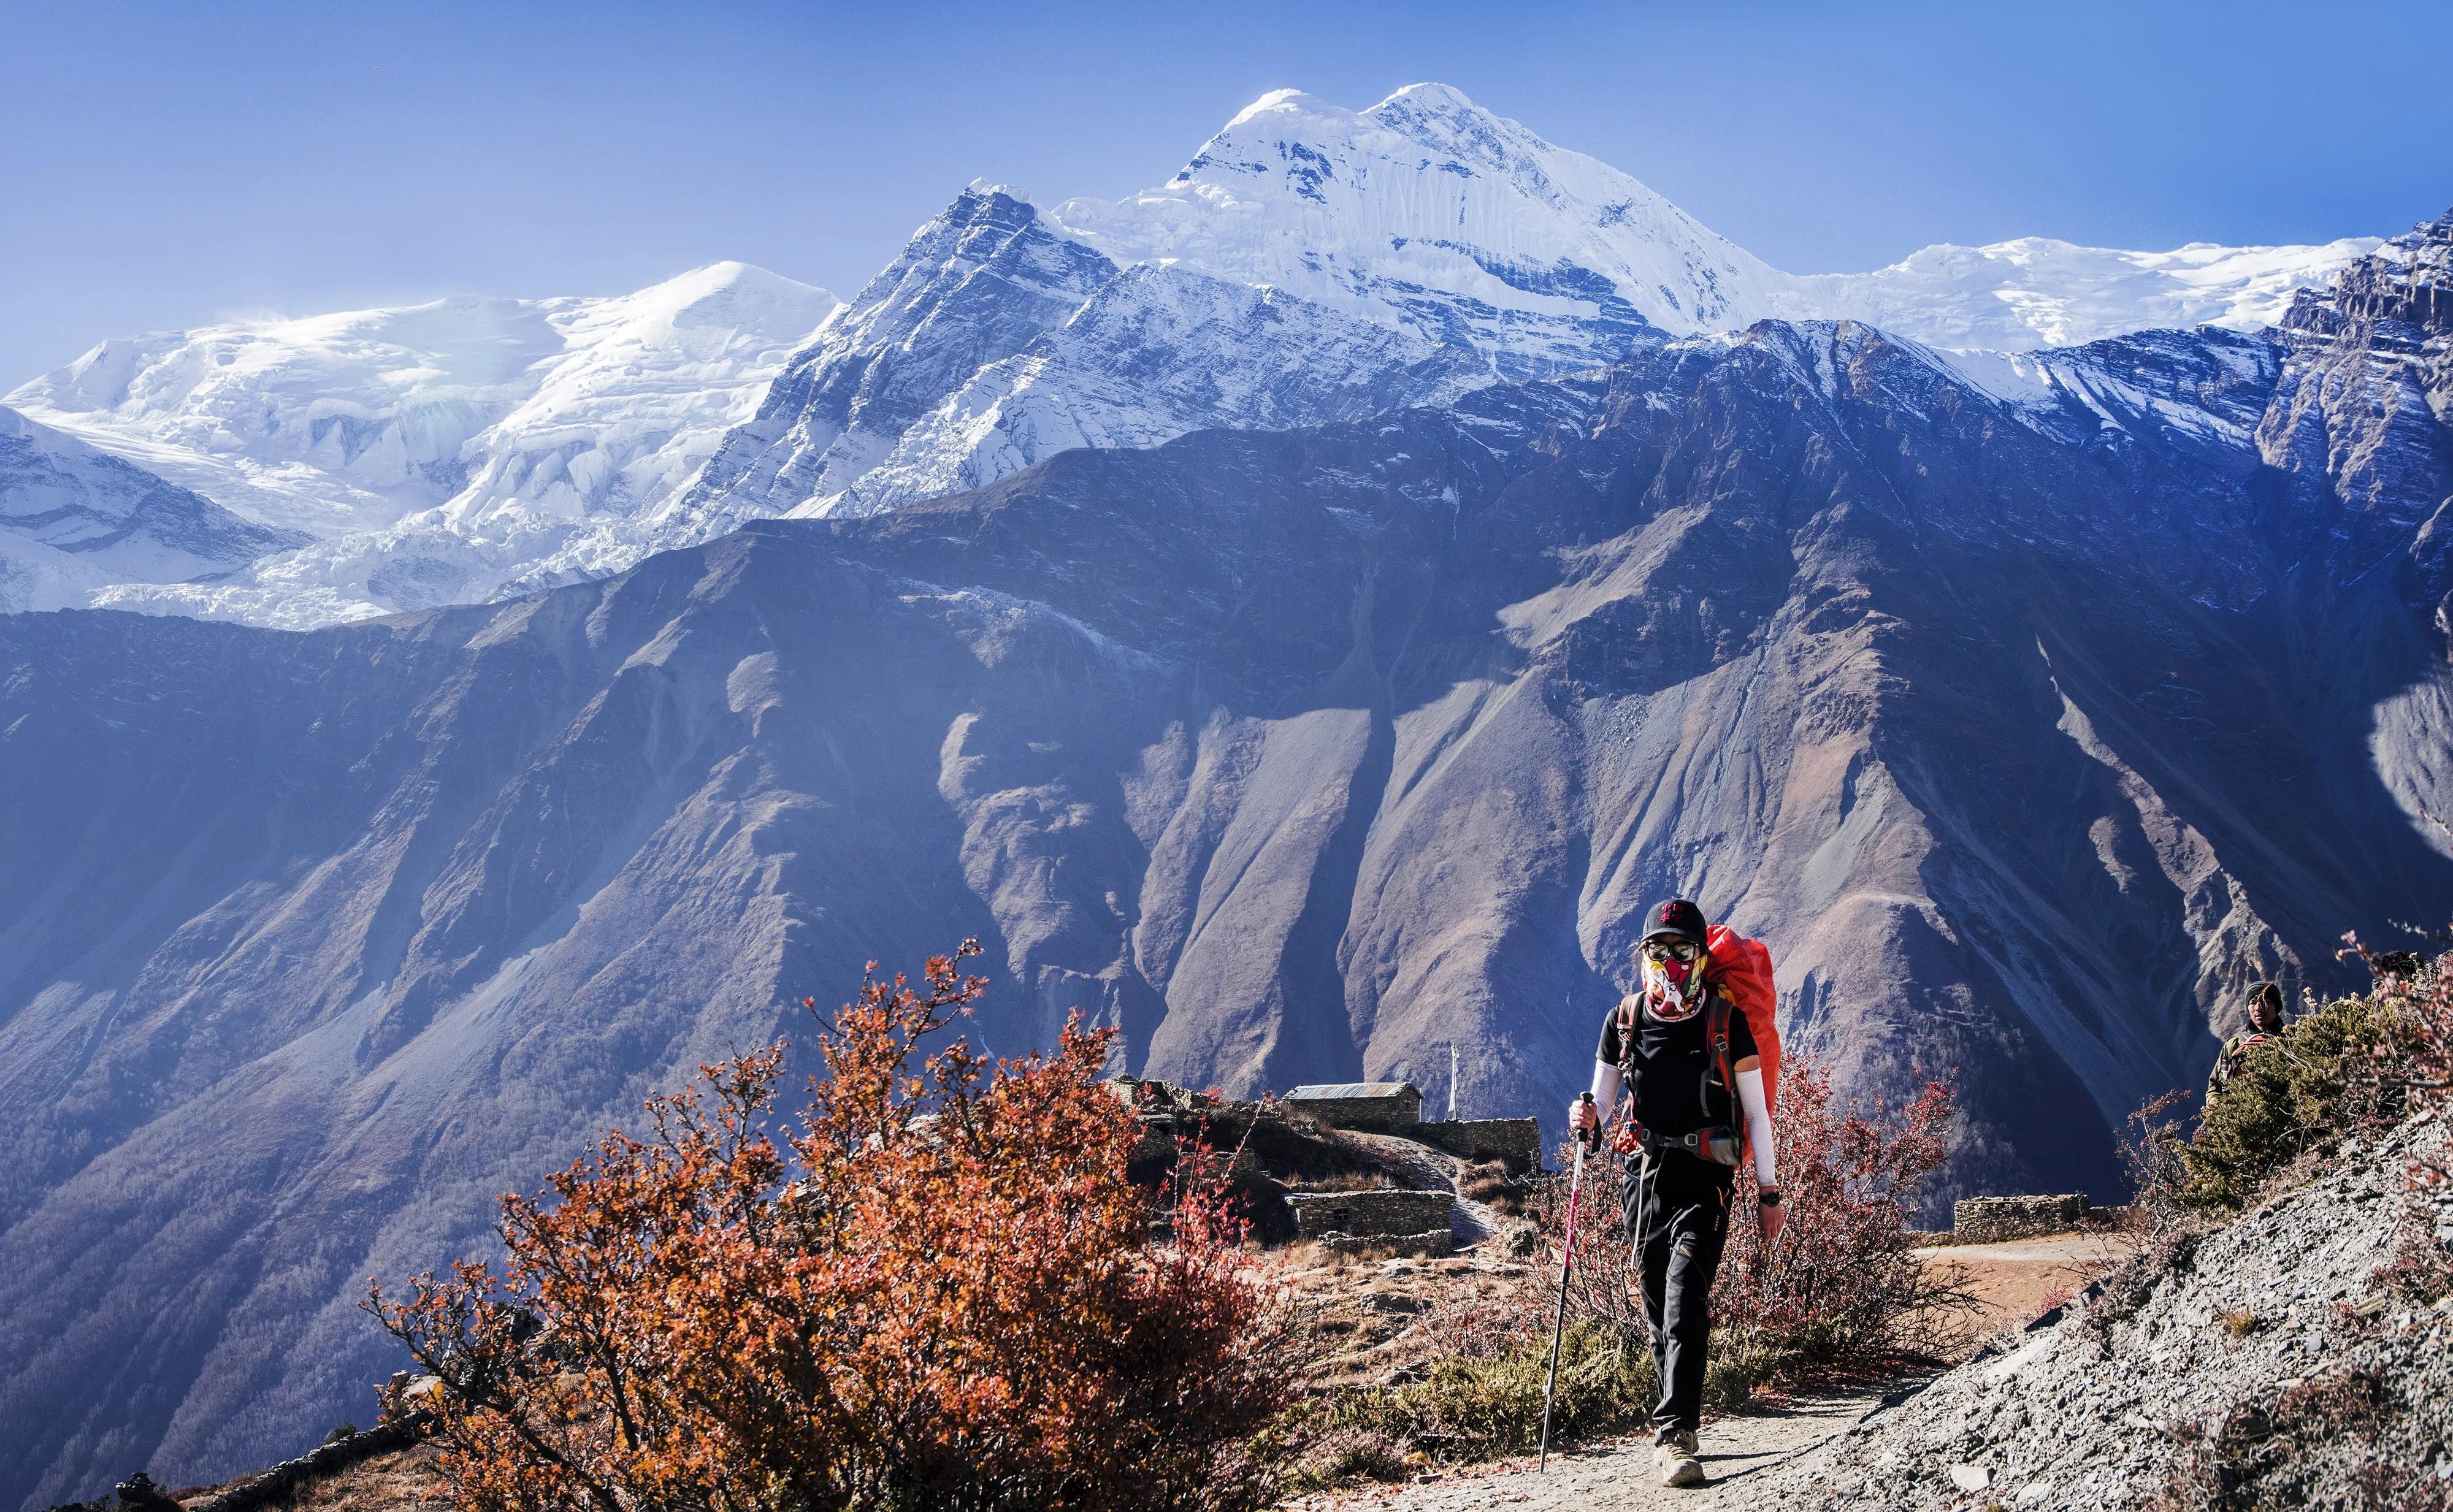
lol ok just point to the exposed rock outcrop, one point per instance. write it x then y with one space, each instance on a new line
2268 1359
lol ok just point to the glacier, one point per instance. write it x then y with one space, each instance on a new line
76 520
1308 264
441 453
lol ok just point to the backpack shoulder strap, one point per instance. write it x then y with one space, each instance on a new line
1716 1008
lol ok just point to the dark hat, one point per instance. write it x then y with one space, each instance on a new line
1678 917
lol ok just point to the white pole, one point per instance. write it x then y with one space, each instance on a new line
1453 1075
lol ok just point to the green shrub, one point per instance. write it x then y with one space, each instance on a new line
2292 1095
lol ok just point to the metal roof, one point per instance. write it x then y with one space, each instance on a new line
1353 1089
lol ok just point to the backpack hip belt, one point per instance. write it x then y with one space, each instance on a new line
1718 1143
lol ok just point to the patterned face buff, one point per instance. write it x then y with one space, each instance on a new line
1673 979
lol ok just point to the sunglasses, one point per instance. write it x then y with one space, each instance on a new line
1682 951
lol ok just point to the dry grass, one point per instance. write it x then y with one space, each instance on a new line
1371 1181
1489 1184
406 1481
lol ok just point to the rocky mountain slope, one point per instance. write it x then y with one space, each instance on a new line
2025 718
1309 265
2271 1361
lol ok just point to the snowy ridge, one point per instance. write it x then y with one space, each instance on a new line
1114 376
437 453
74 519
2206 386
974 286
2035 291
1308 263
1428 211
1425 215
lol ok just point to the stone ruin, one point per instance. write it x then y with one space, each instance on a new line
1382 1217
1991 1220
1270 1133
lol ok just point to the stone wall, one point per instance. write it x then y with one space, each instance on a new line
1988 1219
1516 1141
1369 1214
1432 1243
1392 1115
280 1483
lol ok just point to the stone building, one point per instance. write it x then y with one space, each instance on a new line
1393 1107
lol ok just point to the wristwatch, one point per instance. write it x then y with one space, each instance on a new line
1768 1197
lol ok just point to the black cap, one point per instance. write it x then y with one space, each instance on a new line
1679 917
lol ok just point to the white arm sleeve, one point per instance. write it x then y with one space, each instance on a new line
1750 1094
1606 1086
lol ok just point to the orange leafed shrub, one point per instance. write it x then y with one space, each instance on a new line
1842 1287
936 1289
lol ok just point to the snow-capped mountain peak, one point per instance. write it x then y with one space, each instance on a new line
1478 251
351 420
1429 212
1309 263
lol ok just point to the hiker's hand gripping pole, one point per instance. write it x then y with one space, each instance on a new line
1587 1138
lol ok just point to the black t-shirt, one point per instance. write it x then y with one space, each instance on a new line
1668 1074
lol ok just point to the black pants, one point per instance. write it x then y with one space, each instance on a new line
1676 1208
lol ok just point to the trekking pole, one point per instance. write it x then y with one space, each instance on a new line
1566 1261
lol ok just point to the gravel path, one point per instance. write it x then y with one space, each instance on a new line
1603 1478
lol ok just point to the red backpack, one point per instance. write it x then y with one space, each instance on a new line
1741 969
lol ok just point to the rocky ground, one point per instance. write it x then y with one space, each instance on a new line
1373 1307
2268 1359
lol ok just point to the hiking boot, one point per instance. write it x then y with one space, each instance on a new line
1673 1458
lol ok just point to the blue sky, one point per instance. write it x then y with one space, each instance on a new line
166 165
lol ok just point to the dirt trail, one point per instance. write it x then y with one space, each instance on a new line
2014 1281
2011 1281
1603 1478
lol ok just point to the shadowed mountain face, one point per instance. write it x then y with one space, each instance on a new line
2024 729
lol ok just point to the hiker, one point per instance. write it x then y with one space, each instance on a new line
2264 1023
1673 1048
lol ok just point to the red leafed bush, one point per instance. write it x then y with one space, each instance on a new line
936 1289
1842 1286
